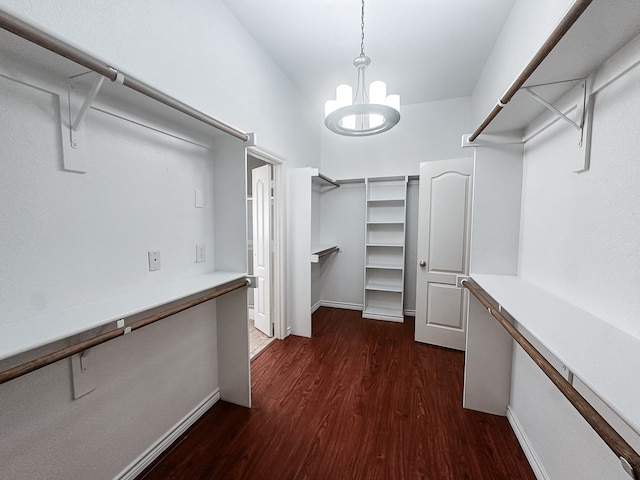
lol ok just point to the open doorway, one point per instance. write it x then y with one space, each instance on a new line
264 259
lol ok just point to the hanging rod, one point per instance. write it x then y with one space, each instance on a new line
327 251
328 180
567 21
628 456
48 359
28 32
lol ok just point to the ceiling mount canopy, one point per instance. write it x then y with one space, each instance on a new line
367 112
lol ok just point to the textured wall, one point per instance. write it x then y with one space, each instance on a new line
69 239
579 241
427 131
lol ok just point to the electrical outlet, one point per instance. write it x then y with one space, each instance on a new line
199 253
154 261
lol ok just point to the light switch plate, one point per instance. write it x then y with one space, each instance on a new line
199 200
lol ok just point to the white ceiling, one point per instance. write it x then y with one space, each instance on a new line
424 50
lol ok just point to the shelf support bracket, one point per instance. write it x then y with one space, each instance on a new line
73 112
91 96
584 115
557 112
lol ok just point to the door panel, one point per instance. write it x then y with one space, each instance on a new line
261 193
448 239
444 306
443 251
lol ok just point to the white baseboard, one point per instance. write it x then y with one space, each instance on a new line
144 460
316 307
345 306
409 313
529 452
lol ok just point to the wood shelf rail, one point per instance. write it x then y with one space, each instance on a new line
567 21
28 32
628 456
63 353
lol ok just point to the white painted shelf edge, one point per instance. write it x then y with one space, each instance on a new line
384 266
602 356
387 287
398 200
27 334
383 313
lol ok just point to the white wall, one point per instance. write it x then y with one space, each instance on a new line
497 190
579 241
69 238
343 214
524 32
427 131
196 51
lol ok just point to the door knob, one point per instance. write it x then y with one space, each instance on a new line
423 263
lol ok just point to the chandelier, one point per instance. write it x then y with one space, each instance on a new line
365 113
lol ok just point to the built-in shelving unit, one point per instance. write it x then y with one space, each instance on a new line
384 248
307 248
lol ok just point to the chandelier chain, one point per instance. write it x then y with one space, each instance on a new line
362 31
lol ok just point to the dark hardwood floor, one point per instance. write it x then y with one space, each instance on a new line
359 400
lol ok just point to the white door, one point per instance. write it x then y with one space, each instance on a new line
444 232
261 213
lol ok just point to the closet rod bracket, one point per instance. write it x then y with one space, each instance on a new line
580 109
82 112
583 119
81 93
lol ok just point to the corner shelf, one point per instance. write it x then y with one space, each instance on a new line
385 248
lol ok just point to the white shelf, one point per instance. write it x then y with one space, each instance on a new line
383 313
383 266
386 201
385 223
603 357
391 245
23 335
616 22
383 287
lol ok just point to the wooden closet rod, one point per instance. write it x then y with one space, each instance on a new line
614 441
45 40
53 357
567 21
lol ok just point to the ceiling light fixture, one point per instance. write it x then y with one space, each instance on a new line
366 113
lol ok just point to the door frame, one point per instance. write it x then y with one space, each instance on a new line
278 304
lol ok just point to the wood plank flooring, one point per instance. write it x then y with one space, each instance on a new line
359 400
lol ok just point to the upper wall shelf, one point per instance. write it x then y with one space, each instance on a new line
120 94
603 29
21 336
